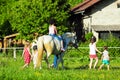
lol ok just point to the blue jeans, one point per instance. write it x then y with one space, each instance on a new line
55 36
55 61
55 56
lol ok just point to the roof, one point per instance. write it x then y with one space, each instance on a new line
82 6
106 27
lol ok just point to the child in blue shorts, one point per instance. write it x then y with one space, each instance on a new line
105 58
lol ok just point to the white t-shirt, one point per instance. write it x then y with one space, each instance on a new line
105 55
92 49
52 29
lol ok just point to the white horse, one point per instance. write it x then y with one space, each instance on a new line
51 45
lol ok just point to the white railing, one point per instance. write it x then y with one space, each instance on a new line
97 47
12 48
21 48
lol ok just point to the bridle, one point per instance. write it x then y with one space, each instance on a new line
75 45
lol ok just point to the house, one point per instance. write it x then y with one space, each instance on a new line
102 17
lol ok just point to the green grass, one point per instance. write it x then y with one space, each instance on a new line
75 69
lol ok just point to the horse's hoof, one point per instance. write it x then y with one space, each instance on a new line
52 65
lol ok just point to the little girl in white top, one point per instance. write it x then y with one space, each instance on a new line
105 58
92 53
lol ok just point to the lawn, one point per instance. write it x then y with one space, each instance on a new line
75 69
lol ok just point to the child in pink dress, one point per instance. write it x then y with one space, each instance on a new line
26 55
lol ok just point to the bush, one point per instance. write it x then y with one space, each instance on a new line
88 36
111 42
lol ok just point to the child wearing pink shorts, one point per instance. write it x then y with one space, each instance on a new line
92 53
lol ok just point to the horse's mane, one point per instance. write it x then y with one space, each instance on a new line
68 34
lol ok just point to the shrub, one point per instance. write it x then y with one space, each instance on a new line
88 36
111 42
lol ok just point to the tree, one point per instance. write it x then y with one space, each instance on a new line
73 3
5 26
30 16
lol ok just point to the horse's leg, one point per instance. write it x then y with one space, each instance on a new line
60 59
62 62
56 58
40 53
48 53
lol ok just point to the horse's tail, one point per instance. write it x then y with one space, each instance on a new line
40 51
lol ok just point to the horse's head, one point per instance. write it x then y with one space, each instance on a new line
70 37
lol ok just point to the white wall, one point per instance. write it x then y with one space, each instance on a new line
106 13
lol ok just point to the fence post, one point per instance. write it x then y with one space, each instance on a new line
14 53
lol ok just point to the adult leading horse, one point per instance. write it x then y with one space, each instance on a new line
51 45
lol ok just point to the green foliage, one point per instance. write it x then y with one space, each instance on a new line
88 36
30 16
73 3
5 26
75 69
111 42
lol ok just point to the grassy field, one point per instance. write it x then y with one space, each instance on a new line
75 69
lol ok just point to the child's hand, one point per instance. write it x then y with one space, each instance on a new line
31 58
101 53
